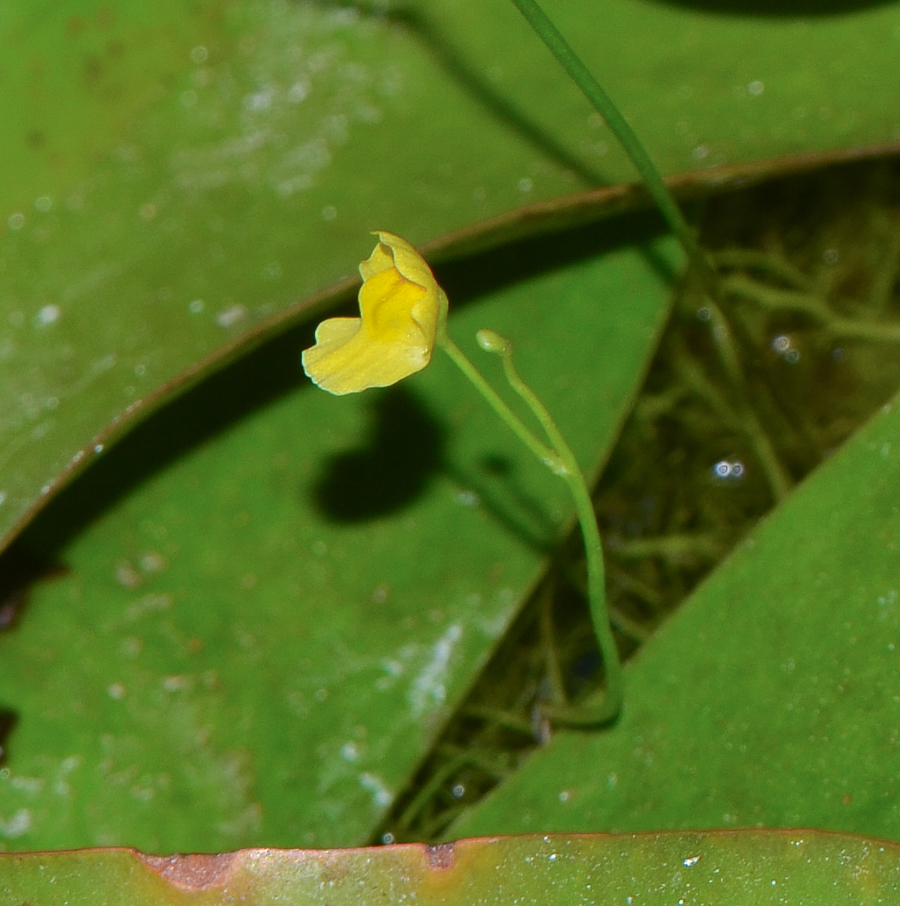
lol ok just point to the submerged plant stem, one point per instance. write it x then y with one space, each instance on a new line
603 104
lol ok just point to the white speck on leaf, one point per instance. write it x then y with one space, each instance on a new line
429 687
381 795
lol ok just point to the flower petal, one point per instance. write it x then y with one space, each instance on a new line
394 251
401 307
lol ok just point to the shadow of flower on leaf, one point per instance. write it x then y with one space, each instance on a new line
393 465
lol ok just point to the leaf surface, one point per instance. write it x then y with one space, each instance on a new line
185 173
754 868
274 596
770 698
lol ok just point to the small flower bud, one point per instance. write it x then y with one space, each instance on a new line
491 341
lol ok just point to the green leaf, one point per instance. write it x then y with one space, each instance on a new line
185 172
256 643
751 868
771 698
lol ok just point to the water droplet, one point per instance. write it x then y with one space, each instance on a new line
196 306
271 271
17 825
49 314
132 646
175 683
729 469
298 92
467 498
127 576
153 562
43 204
755 88
329 212
230 316
104 364
16 221
375 785
260 100
784 346
199 54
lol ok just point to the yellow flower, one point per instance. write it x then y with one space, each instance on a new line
401 310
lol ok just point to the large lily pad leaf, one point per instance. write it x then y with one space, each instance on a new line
771 698
731 869
258 642
186 172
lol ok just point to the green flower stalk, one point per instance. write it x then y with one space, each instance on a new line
403 317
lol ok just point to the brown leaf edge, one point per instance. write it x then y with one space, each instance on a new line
452 872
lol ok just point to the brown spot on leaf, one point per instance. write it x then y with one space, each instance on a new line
441 857
193 872
105 18
92 68
11 607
